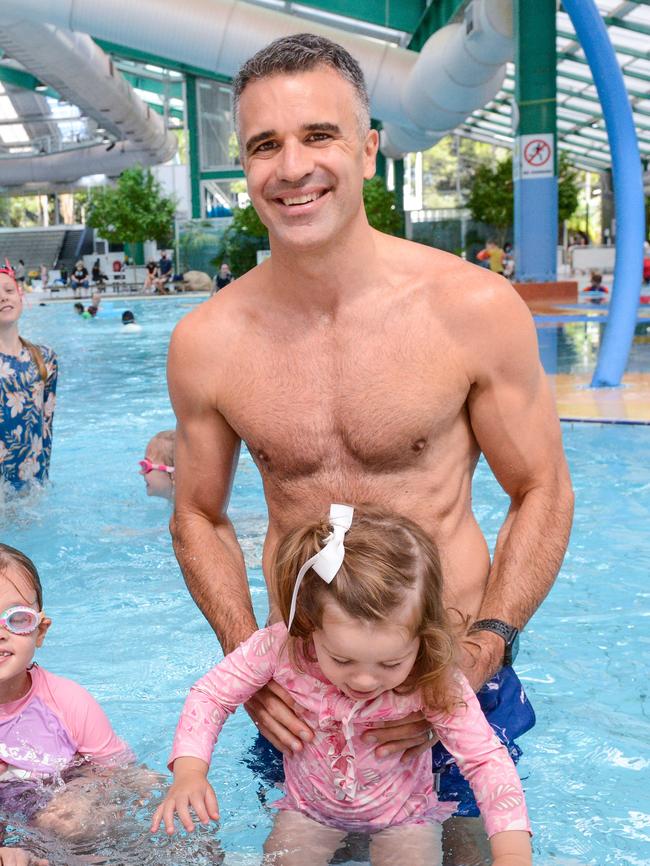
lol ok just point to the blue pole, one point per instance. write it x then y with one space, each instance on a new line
628 191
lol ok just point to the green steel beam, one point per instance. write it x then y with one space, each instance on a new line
171 112
193 144
630 73
158 60
18 78
624 24
173 89
436 15
535 88
584 79
399 15
620 49
225 174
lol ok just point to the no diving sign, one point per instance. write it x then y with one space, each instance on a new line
535 156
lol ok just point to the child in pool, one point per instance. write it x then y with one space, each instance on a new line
364 638
157 468
47 723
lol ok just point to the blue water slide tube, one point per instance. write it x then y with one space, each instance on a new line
628 190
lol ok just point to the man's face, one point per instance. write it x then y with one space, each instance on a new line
304 155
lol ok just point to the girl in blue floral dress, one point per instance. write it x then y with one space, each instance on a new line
28 376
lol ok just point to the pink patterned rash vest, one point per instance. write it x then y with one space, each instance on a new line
337 779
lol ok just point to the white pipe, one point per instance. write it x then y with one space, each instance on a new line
68 166
462 69
466 61
83 74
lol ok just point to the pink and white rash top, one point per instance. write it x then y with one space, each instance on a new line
337 779
42 732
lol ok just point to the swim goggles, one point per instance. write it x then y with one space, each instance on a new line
21 620
146 466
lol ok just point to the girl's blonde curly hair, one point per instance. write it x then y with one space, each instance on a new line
387 557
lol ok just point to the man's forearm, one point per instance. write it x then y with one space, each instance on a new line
213 567
527 558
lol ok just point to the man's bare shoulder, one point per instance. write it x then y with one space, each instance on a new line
213 325
454 287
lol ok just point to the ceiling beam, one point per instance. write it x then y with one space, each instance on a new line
436 15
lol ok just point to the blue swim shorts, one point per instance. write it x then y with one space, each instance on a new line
506 708
510 714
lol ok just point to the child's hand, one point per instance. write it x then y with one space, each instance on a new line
190 789
19 857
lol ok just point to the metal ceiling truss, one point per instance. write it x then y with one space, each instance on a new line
580 130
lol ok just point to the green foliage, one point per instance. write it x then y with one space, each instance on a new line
568 188
19 211
134 210
381 208
241 240
448 169
491 197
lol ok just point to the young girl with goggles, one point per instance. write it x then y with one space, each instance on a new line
364 637
48 724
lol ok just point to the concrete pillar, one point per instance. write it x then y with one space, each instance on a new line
535 163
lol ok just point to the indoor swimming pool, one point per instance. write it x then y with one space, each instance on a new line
125 627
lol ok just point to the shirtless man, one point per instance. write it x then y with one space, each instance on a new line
359 368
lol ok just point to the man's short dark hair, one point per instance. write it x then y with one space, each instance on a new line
303 52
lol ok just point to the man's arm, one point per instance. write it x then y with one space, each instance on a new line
205 544
513 417
206 453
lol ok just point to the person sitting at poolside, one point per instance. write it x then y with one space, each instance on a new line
129 322
164 275
79 278
52 731
597 288
157 468
28 377
365 637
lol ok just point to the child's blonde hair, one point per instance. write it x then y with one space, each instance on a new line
162 444
387 556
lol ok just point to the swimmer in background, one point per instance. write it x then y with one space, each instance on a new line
129 323
90 312
596 288
47 723
157 468
78 308
28 379
365 637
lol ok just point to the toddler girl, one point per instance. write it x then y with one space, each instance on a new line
157 468
47 723
365 638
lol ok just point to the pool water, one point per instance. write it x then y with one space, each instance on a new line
125 627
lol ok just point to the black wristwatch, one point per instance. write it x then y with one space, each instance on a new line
509 633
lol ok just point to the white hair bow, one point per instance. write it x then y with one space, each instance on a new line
329 559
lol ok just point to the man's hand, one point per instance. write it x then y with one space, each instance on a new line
411 735
273 711
20 857
190 789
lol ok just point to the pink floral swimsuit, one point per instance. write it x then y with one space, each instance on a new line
337 778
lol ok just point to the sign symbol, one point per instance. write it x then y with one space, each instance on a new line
537 152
